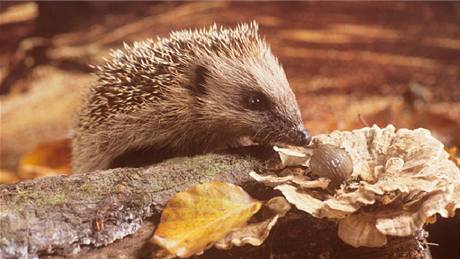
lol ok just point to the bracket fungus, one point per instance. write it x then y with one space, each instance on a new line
400 179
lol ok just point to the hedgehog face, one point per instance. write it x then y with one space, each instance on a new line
270 123
252 98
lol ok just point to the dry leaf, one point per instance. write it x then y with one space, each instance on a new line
197 218
47 158
253 234
256 233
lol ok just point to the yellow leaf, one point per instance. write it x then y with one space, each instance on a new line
197 218
47 158
8 177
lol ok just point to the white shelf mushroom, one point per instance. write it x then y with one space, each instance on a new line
400 180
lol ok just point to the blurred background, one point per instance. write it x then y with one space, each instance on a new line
350 65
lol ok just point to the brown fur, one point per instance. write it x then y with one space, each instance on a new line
185 95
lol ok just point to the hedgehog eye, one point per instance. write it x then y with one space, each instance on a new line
256 102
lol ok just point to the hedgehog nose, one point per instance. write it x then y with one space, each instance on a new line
304 137
301 136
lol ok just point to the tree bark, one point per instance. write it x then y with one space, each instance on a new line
84 214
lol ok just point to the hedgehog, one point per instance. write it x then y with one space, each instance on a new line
194 92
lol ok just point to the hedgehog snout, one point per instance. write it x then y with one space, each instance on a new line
299 136
295 136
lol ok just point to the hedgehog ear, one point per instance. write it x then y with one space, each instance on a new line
198 82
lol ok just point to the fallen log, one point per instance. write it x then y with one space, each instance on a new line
74 215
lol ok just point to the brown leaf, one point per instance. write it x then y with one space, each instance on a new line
453 155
